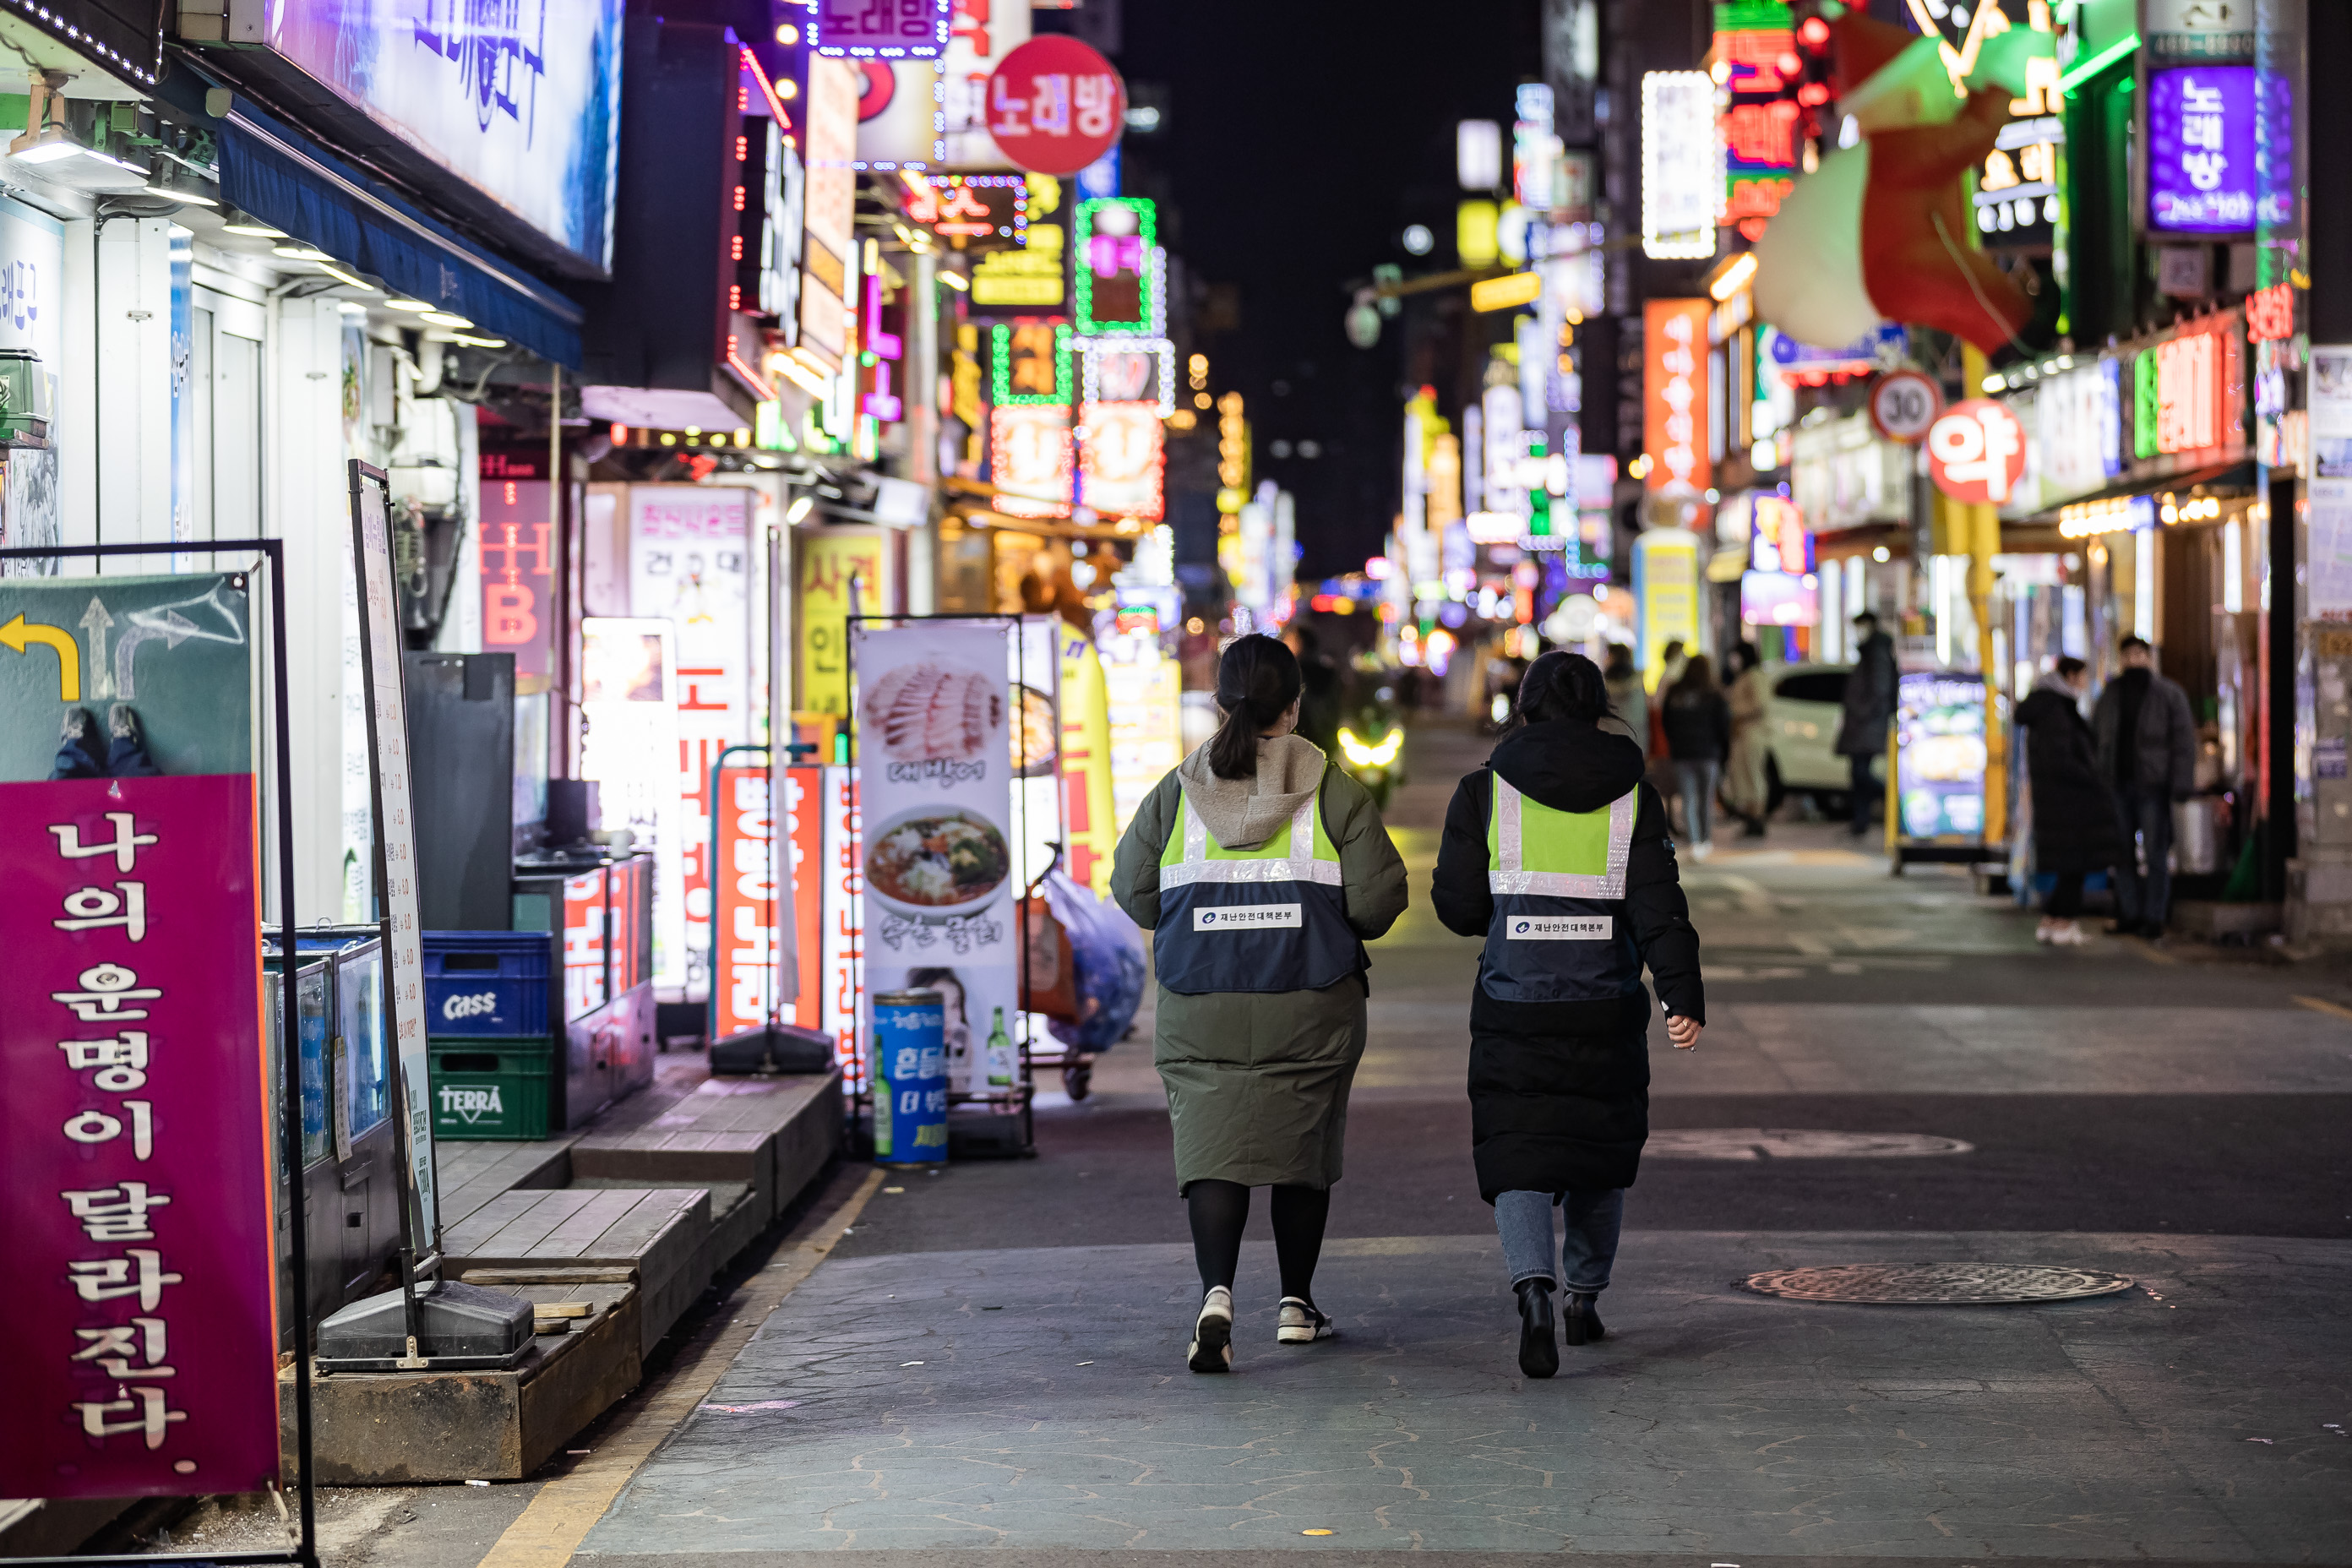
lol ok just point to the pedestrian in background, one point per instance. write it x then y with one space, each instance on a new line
2075 829
1556 853
1747 783
1869 708
1698 739
2148 755
1629 704
1260 871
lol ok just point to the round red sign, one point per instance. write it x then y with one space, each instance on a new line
1054 105
1904 404
1976 452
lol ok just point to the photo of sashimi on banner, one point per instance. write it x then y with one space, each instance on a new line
934 714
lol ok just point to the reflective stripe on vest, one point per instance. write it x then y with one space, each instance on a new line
1566 835
1268 919
1558 933
1205 862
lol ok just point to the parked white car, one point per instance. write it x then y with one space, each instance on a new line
1807 701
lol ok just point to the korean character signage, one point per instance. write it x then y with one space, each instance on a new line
1119 272
2186 397
134 1096
754 958
880 29
1673 395
1054 105
1032 362
1030 460
2200 150
688 553
1119 458
1976 452
515 554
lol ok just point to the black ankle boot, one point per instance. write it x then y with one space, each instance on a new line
1538 1338
1583 1323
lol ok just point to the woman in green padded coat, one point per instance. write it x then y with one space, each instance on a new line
1260 870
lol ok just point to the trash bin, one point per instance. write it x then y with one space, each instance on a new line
490 1088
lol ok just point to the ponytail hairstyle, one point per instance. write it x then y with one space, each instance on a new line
1257 681
1561 685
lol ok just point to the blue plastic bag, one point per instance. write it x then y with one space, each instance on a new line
1107 953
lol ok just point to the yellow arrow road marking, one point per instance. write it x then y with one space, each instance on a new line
20 631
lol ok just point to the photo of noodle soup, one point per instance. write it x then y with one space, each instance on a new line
936 861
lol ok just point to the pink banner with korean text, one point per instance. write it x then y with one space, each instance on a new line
134 1126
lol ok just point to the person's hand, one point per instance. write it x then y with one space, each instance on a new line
1683 1032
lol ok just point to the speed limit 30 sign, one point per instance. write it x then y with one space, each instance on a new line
1904 404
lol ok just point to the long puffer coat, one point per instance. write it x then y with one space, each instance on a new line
1257 1081
2075 826
1559 1091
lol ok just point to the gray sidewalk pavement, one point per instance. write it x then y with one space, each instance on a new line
1033 1401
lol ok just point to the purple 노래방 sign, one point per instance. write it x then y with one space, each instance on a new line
134 1126
881 29
2200 150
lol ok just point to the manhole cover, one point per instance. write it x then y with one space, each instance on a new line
1784 1143
1936 1284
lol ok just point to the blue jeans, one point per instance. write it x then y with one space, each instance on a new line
1524 1222
1695 781
2149 814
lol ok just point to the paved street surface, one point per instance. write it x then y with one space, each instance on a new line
988 1365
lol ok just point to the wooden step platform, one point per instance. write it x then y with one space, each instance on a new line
772 1134
660 1236
635 1215
398 1428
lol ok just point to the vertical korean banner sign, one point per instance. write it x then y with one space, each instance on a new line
755 940
135 1099
396 840
935 754
687 566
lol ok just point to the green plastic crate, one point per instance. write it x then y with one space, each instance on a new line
490 1088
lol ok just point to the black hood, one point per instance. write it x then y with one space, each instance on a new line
1567 764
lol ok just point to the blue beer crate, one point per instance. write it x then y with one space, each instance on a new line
484 983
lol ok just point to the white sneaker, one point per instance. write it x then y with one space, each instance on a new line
1701 851
1213 1333
2046 932
1303 1324
2069 933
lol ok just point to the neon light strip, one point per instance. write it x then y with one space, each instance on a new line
767 91
2085 69
1090 378
1001 370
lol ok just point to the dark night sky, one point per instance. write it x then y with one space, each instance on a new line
1303 136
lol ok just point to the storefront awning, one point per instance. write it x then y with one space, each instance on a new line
2238 473
285 179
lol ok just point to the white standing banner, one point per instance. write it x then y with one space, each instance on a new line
396 869
934 712
688 555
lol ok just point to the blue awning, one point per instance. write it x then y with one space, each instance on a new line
290 182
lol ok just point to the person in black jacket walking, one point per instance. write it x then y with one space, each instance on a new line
1872 691
2147 754
1558 854
2074 830
1698 739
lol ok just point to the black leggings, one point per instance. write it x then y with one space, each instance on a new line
1219 1209
2066 897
